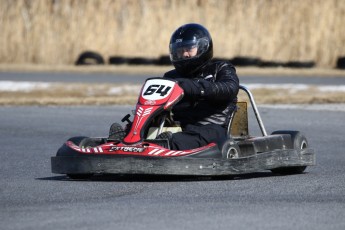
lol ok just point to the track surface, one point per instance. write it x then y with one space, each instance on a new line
31 197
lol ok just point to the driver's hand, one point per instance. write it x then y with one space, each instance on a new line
192 89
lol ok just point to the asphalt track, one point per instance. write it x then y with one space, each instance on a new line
31 197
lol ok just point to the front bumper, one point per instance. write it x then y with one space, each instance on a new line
120 164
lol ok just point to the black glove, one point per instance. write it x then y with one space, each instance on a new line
192 89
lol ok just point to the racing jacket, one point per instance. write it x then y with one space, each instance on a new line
220 84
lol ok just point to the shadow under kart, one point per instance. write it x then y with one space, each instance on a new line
139 153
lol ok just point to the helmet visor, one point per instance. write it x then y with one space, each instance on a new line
182 50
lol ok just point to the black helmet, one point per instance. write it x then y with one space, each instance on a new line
188 37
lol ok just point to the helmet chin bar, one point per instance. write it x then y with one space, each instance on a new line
187 68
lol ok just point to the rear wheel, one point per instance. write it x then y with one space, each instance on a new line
299 141
230 149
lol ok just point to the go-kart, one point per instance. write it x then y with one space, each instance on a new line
138 150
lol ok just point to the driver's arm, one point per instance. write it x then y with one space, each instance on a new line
224 87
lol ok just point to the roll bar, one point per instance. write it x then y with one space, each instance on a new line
255 109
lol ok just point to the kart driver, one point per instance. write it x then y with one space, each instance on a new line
210 89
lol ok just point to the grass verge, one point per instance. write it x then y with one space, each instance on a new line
124 94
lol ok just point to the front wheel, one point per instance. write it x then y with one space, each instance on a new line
116 132
299 141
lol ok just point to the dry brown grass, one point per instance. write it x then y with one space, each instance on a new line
56 32
73 94
283 96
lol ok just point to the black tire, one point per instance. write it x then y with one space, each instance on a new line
164 60
116 60
268 64
77 140
141 61
298 64
220 59
230 149
90 58
245 61
341 63
299 141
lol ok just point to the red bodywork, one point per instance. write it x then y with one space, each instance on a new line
157 95
140 149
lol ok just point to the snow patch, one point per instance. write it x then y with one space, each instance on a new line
29 86
13 86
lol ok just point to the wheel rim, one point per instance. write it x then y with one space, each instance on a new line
304 144
232 153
